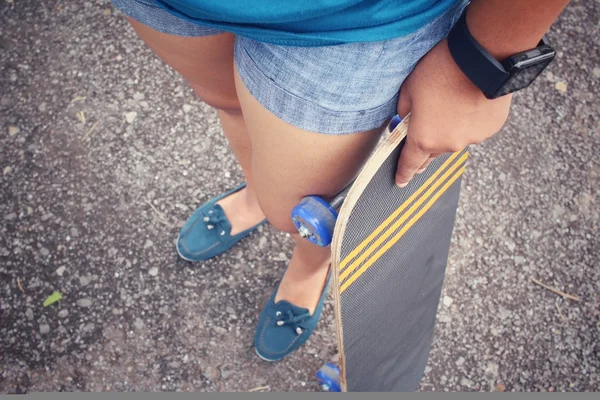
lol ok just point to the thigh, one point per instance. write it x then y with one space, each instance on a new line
203 55
315 113
206 62
289 163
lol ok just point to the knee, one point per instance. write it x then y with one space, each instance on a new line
282 223
227 102
280 217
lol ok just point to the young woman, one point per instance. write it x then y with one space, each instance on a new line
304 89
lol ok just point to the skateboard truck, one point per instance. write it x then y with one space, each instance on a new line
315 217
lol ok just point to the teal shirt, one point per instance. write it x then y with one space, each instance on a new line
311 22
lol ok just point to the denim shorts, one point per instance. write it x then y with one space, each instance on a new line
332 90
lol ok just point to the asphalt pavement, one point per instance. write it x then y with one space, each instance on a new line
105 151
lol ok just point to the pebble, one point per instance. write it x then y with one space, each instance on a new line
561 86
226 373
573 217
187 108
153 271
6 170
466 382
44 328
63 313
29 314
44 251
444 318
42 107
138 323
220 330
148 244
10 217
137 96
510 246
460 361
448 301
130 116
262 242
596 72
492 369
520 260
84 280
13 130
503 313
558 211
60 270
535 234
210 373
85 303
46 216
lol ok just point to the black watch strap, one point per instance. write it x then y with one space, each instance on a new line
476 63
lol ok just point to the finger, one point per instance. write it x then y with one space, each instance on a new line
426 164
404 104
410 161
429 160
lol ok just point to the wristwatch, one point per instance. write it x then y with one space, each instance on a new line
495 78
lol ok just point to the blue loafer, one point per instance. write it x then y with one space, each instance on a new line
206 233
283 327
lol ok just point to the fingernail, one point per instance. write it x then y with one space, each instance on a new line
403 184
421 170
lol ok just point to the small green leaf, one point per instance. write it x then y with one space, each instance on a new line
53 298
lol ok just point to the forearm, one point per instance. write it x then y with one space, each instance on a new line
506 27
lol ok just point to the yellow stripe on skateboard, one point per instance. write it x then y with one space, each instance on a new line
404 229
350 267
395 214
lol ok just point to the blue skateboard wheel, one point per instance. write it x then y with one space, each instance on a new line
315 220
329 378
394 122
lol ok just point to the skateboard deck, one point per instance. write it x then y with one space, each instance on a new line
388 257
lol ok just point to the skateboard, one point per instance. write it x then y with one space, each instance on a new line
389 248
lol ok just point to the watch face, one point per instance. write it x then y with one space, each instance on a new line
523 73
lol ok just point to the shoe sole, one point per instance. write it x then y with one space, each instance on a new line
182 256
264 358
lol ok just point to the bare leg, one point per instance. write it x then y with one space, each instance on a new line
207 64
281 163
289 163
